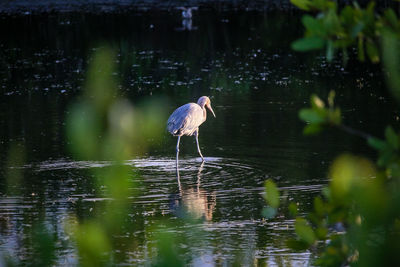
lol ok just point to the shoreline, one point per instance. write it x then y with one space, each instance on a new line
28 7
38 7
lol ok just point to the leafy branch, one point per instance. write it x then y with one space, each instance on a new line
352 26
356 220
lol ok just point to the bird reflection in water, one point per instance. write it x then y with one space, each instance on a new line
194 202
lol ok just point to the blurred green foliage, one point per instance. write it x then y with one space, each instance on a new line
167 252
391 55
358 213
272 198
44 246
318 116
356 221
104 125
357 216
352 26
101 125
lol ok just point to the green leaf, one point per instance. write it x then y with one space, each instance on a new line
329 51
356 29
312 116
331 22
386 157
269 212
314 26
391 137
391 55
370 10
345 56
271 194
83 129
347 172
326 192
316 102
308 43
391 17
376 143
331 98
297 244
312 129
293 209
304 231
324 5
319 207
302 4
347 15
321 232
372 52
335 116
394 171
361 53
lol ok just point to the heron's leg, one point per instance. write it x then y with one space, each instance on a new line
196 134
177 151
178 179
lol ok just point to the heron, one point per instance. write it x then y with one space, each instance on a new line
187 12
186 120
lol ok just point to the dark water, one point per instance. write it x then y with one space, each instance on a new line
243 61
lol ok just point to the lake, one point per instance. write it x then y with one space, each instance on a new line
257 85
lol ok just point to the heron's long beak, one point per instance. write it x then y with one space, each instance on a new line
210 108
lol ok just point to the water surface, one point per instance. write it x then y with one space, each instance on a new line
243 61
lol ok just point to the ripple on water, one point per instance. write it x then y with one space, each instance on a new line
224 176
223 194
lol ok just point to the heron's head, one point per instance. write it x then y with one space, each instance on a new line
205 101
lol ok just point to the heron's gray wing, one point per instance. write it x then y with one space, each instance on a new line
185 119
176 120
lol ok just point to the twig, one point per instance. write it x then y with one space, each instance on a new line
352 131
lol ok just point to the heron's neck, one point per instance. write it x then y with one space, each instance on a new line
203 107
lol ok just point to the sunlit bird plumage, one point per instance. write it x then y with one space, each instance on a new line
186 120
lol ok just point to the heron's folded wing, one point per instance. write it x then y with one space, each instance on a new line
183 119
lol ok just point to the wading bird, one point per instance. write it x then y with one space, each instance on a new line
186 120
187 12
187 19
